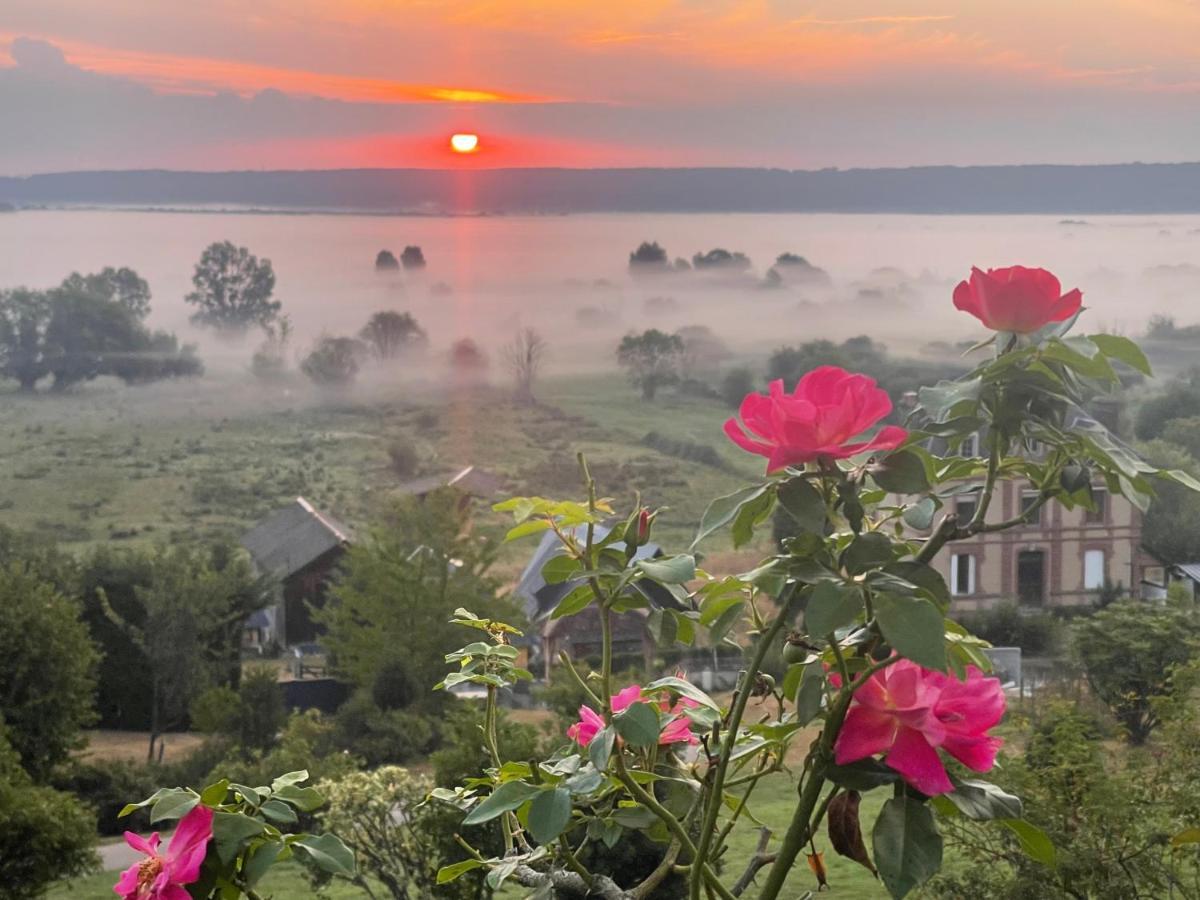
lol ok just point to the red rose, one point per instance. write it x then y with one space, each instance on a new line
819 420
1016 299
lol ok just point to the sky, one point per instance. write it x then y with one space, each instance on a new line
286 84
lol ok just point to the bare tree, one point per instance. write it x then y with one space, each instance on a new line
523 358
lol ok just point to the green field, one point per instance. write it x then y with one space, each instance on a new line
208 457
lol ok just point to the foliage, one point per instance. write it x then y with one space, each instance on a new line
703 351
87 327
261 713
334 361
720 258
385 260
45 834
736 384
858 354
309 740
106 786
1007 625
391 334
47 670
404 457
382 736
1179 399
649 257
1171 527
651 359
233 289
467 358
684 449
270 360
1128 652
412 257
414 566
251 831
381 817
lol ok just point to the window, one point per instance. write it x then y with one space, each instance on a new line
1100 500
1031 577
969 446
1029 499
964 508
1093 570
962 575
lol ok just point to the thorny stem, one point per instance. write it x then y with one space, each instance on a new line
717 785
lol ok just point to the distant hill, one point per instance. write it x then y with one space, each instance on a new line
1081 190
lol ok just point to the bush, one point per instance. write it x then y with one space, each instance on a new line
404 457
1037 633
736 384
684 449
382 736
463 754
399 840
45 834
216 711
309 741
261 713
106 786
334 361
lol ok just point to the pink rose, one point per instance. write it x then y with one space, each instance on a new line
1016 299
819 420
159 877
676 730
908 712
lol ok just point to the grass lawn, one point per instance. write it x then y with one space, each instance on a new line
209 457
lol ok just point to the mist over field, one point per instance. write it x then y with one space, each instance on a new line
568 276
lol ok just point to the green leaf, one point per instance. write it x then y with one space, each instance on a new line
864 775
259 860
901 472
810 693
214 794
300 775
533 526
575 602
327 852
908 848
983 802
585 781
803 502
1034 842
231 830
601 747
831 605
249 794
723 510
279 812
684 689
549 814
504 799
867 551
948 399
751 514
914 628
174 806
153 798
446 874
670 570
925 577
920 514
1187 836
1124 350
638 725
305 799
560 568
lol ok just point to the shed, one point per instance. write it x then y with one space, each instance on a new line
299 547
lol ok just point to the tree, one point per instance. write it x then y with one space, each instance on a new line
797 268
47 670
270 360
334 361
524 358
703 351
385 261
418 563
390 334
651 360
720 258
649 258
1180 399
1128 652
24 317
233 289
467 358
412 258
45 835
1171 526
123 285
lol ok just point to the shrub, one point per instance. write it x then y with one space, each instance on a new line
216 711
463 754
106 786
334 361
684 449
261 713
309 741
404 457
1037 634
382 736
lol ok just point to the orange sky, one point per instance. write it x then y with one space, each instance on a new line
621 82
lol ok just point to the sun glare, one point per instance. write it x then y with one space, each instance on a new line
464 143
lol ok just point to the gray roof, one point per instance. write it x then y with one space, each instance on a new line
1190 570
288 540
541 598
469 480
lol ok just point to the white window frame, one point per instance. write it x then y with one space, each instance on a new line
970 445
954 564
1036 522
1093 578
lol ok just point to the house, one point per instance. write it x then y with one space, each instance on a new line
1157 579
579 635
1059 557
299 547
471 481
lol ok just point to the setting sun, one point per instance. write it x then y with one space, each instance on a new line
464 143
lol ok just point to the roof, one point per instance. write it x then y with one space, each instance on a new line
292 538
470 480
541 598
1190 570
